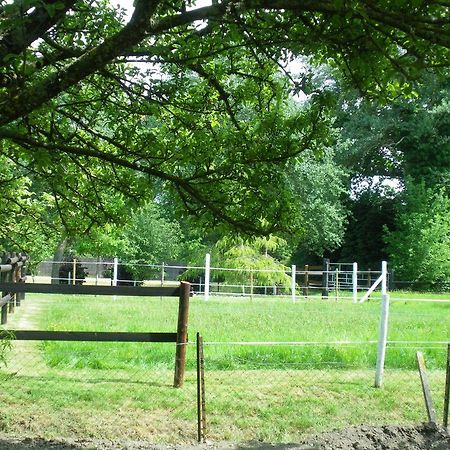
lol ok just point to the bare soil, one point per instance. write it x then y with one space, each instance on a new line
388 437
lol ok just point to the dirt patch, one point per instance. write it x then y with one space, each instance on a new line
359 438
383 438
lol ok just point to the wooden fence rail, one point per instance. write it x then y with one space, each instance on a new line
180 337
12 273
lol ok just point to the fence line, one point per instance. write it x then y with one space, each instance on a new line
333 280
12 270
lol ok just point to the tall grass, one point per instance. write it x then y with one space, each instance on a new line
226 323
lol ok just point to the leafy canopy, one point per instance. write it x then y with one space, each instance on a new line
191 100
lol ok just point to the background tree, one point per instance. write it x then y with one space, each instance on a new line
71 102
387 145
419 246
255 262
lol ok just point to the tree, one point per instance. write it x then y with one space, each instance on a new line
253 262
387 145
204 114
320 185
420 245
24 227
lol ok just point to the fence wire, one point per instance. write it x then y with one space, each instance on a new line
106 392
274 370
262 396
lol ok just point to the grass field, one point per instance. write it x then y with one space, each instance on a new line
234 320
268 392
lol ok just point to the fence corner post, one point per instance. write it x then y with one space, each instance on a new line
384 320
182 334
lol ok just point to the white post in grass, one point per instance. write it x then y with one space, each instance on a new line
115 270
384 318
293 282
207 275
355 282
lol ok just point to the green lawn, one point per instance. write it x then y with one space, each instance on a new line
225 322
268 392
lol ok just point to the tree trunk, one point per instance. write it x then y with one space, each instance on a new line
57 258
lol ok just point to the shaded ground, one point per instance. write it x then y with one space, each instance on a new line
358 438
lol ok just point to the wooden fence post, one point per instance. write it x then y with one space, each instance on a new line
3 278
16 277
426 388
201 410
293 282
306 287
11 279
447 389
182 334
325 285
23 275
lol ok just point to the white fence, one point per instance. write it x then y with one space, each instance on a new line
336 280
333 281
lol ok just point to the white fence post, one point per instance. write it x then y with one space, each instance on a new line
355 282
293 282
384 319
207 275
115 270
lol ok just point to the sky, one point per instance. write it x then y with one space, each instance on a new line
128 4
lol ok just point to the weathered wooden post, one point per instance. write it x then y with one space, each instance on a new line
182 334
201 409
336 284
426 388
325 284
293 282
3 295
447 388
16 277
306 286
13 259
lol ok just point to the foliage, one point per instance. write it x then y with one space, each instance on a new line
252 260
191 99
388 144
404 139
368 215
320 186
419 247
149 239
25 226
5 346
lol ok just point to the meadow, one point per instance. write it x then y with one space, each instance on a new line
226 322
309 367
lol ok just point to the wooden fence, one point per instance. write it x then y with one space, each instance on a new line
180 337
12 271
